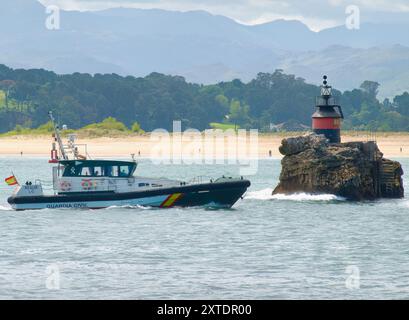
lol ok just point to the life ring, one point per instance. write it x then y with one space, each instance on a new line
88 184
65 186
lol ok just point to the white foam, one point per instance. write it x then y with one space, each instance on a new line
267 194
308 197
4 208
128 207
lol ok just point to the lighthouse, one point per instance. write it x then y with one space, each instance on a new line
328 117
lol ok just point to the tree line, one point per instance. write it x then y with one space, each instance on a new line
155 101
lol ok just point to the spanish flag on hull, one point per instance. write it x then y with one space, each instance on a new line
171 200
11 181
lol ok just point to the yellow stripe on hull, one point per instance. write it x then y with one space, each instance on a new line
171 200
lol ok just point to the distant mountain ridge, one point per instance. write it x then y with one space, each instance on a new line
200 46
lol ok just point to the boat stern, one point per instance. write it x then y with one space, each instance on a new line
25 191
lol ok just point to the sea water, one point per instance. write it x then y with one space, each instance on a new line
266 247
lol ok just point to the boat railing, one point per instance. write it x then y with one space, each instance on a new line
44 184
200 179
37 182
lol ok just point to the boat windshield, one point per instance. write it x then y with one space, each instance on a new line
86 169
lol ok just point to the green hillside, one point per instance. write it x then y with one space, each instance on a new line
109 127
157 100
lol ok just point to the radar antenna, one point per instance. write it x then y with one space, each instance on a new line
57 136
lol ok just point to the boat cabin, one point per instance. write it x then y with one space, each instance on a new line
97 168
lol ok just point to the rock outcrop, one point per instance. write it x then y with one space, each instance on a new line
354 170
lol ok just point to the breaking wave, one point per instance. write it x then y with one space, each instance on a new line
308 197
267 194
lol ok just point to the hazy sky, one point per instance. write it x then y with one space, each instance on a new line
317 14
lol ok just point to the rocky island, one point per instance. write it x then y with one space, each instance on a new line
353 170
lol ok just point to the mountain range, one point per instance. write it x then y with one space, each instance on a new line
202 47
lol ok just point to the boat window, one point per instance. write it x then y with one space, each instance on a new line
86 171
89 170
71 171
124 171
143 184
112 171
98 171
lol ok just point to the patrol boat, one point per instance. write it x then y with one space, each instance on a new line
79 182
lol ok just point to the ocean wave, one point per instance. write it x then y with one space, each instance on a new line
5 208
267 194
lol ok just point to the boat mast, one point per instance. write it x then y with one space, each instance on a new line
57 136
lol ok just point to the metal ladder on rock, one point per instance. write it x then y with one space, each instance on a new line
388 177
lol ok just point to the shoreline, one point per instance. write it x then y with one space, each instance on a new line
393 145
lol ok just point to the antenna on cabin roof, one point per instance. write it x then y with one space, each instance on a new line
57 136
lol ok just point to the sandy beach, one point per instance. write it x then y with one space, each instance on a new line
393 145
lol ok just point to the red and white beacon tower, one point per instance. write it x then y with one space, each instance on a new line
328 117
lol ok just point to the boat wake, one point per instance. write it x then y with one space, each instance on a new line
267 194
129 207
4 208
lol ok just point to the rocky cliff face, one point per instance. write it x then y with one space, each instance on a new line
355 170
